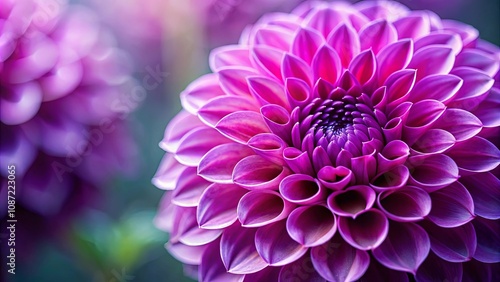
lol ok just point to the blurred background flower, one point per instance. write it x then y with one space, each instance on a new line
167 44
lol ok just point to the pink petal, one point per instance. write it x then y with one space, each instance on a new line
479 60
449 39
414 26
259 208
363 168
26 102
469 127
278 121
421 117
215 214
406 204
377 35
440 87
352 201
338 261
292 66
452 244
179 126
301 189
475 155
346 42
367 231
394 154
275 245
394 178
452 206
487 111
406 247
432 60
268 59
434 141
186 254
194 145
306 43
233 80
268 91
476 83
298 92
483 188
238 252
187 232
433 172
241 126
214 110
487 240
164 219
437 269
217 165
200 91
326 64
269 146
394 57
211 267
274 37
364 66
190 186
231 55
399 84
468 33
335 178
166 175
298 161
311 225
324 19
255 172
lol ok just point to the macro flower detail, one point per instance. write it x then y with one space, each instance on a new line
339 142
61 80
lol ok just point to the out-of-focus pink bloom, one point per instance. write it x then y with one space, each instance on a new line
64 90
339 142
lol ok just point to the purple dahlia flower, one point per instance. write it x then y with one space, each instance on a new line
61 81
339 142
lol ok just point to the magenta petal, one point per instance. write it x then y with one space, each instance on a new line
25 105
299 270
274 37
399 85
214 214
338 261
478 59
186 254
452 244
440 87
433 172
352 201
476 83
345 41
241 126
394 154
437 269
212 268
405 204
363 168
487 250
311 225
367 231
164 219
422 116
166 175
441 38
434 141
259 208
483 188
301 189
194 145
218 164
406 247
292 66
298 161
394 57
324 19
394 178
475 155
268 59
335 178
238 252
269 273
190 186
470 125
326 65
487 111
414 26
233 80
199 92
179 126
364 66
268 91
306 43
231 55
277 119
268 146
298 91
275 245
432 59
187 232
377 34
452 206
214 110
255 172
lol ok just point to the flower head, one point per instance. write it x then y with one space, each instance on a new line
61 82
338 142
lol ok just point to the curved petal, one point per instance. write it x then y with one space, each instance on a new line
352 201
449 39
269 273
394 178
214 110
212 213
166 176
440 87
217 165
268 91
336 178
432 59
301 189
278 121
437 269
259 208
363 168
432 172
487 111
311 225
299 93
377 35
475 155
421 117
269 146
413 26
345 41
394 57
186 254
275 245
487 234
298 161
194 145
476 83
190 186
255 172
338 261
394 154
292 66
367 231
326 65
306 43
268 59
231 55
178 127
406 204
274 37
452 206
199 92
241 126
406 247
233 80
470 125
324 19
364 66
24 105
434 141
452 244
483 188
238 252
478 59
211 267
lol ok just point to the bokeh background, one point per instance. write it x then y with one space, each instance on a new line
114 239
